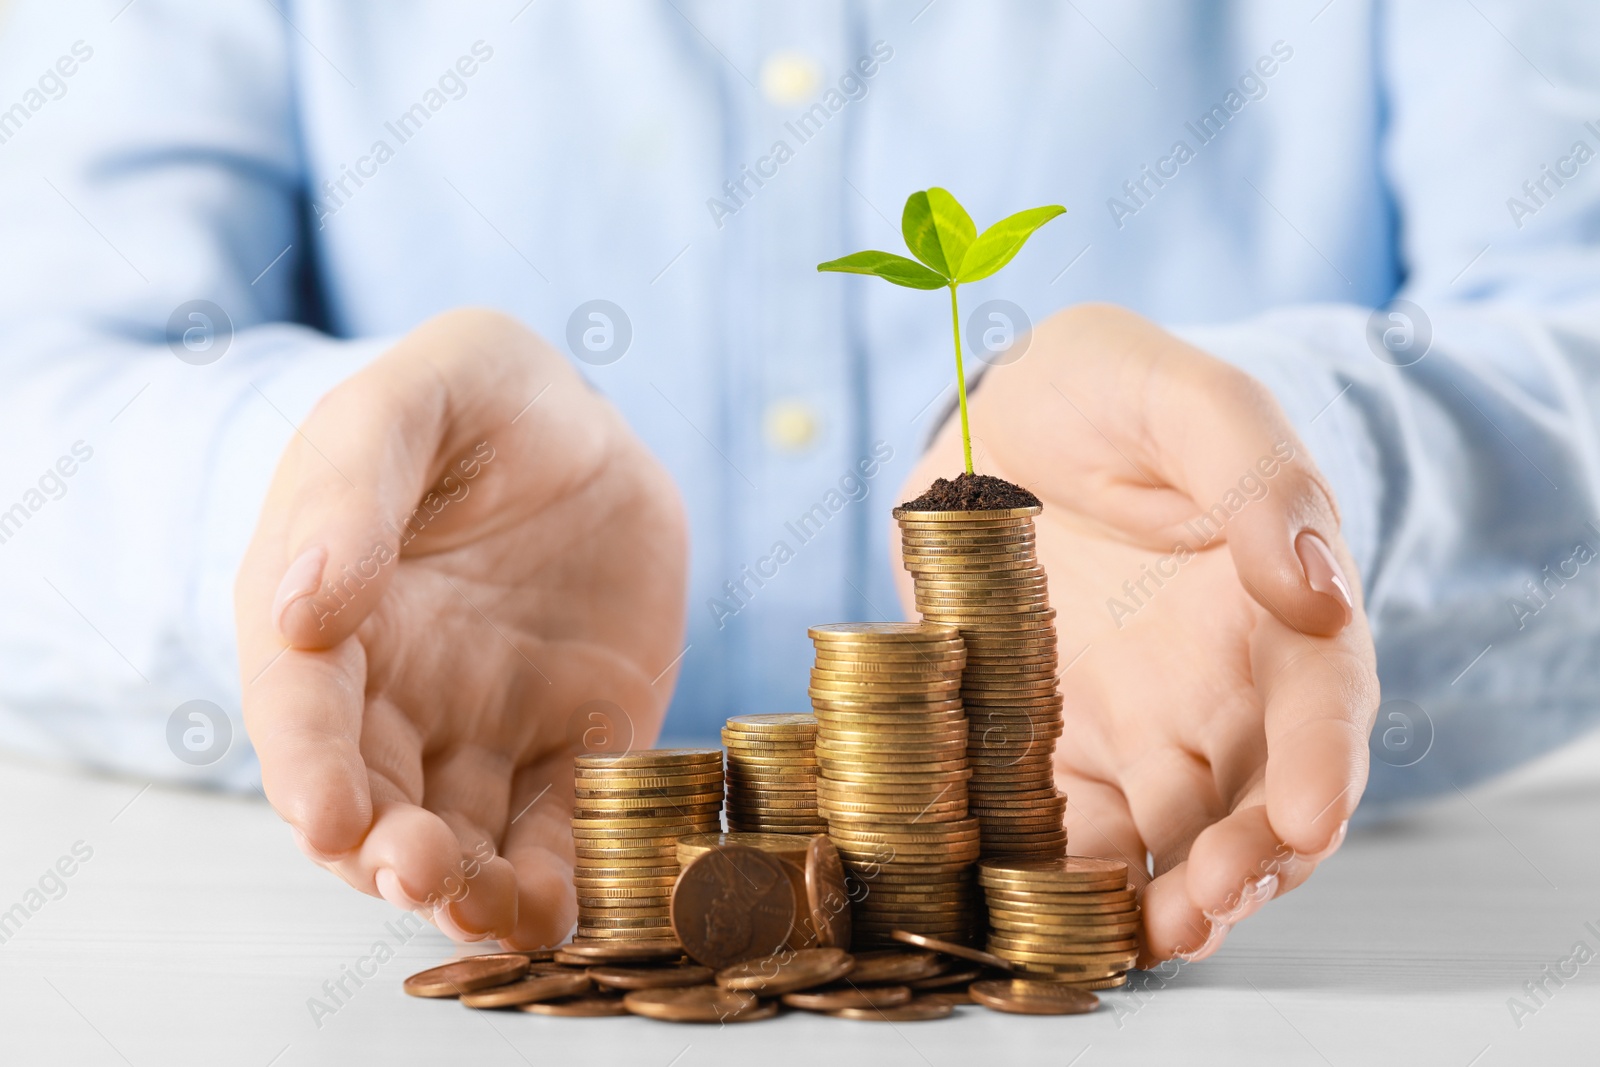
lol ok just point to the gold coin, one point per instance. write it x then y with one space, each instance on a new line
879 632
785 722
624 934
874 661
1063 934
1023 997
654 759
1070 951
1068 871
909 515
787 846
638 783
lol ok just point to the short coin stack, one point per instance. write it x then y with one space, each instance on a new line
1074 918
629 811
772 774
892 775
977 571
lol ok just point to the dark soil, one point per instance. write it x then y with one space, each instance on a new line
972 492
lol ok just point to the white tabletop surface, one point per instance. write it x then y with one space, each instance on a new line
196 933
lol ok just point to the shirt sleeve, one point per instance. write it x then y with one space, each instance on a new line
155 265
1458 424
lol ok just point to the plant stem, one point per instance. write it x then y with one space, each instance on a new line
961 380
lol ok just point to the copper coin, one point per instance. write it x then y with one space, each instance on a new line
918 1010
826 895
594 1006
618 977
695 1004
1021 996
528 990
787 971
835 998
467 975
733 903
893 965
950 948
620 951
952 997
962 976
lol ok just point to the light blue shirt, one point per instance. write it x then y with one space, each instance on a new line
1256 176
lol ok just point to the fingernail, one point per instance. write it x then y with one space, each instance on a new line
1219 932
1322 571
302 579
1254 895
390 889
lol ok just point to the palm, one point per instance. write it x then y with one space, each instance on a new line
1201 729
421 738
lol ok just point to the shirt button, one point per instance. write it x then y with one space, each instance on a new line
789 78
790 425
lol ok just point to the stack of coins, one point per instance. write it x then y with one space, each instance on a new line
629 811
977 571
1073 919
772 774
892 775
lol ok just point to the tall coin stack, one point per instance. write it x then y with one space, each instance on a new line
892 775
1072 919
629 811
772 774
977 571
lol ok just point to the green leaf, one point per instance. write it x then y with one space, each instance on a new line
889 267
938 230
995 246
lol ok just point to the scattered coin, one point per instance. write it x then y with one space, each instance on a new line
620 951
528 990
697 1004
1024 997
966 952
621 977
919 1010
894 965
594 1006
836 998
467 975
787 971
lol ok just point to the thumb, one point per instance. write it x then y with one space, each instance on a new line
1256 486
344 495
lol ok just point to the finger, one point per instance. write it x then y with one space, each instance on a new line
1230 447
1172 796
1321 695
312 771
1236 866
1174 925
1099 824
347 484
1167 437
539 845
413 859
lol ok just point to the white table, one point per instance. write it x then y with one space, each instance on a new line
195 933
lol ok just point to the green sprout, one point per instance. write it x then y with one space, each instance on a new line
941 234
